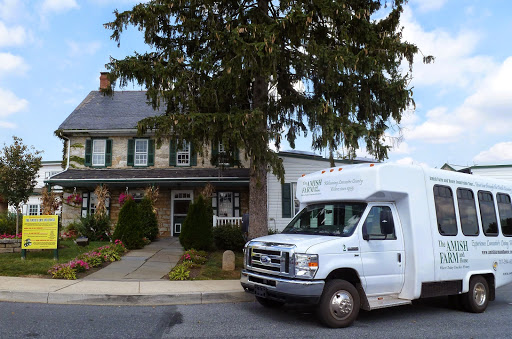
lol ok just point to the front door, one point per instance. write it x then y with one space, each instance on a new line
180 202
382 252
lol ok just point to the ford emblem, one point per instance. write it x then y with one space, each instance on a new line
265 259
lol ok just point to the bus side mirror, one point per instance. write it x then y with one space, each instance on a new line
366 236
386 222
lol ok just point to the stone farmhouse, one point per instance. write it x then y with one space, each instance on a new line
102 148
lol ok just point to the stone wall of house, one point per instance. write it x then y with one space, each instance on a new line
120 154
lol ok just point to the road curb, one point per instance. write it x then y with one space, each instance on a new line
127 299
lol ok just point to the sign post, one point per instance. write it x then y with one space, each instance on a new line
40 232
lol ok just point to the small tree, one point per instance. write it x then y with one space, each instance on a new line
197 229
18 173
128 228
148 219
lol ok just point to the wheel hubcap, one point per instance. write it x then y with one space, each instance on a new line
479 294
341 305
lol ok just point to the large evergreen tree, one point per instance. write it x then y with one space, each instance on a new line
247 72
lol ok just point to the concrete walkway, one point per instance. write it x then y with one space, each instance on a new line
134 280
152 262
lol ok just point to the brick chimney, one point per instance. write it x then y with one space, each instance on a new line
104 82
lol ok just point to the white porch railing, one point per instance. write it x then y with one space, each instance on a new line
219 221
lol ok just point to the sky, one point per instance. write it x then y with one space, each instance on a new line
52 52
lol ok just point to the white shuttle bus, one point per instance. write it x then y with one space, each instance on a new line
378 235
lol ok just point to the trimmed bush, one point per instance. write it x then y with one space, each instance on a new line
8 223
128 228
196 231
94 228
148 219
228 237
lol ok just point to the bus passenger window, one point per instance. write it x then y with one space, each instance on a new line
445 210
505 210
467 211
488 213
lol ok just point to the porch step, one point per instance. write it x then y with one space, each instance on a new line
387 301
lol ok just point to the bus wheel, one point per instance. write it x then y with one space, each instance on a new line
477 299
339 304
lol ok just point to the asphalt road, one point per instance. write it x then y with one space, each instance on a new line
433 318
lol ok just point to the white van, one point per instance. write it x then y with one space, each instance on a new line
378 235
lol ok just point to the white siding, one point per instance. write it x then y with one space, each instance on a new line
503 173
294 168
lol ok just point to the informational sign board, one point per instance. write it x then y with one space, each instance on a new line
40 232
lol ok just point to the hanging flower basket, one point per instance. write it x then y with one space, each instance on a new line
74 199
123 197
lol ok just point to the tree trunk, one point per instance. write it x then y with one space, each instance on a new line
17 220
258 218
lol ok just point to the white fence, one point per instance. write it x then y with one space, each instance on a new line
219 221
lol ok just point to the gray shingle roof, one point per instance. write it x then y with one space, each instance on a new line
100 112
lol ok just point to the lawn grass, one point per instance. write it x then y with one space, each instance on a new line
212 269
37 264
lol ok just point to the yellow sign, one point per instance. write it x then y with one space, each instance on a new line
40 232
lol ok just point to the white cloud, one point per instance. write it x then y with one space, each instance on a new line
12 63
428 5
409 161
83 48
12 36
437 129
10 103
5 124
455 64
58 6
499 153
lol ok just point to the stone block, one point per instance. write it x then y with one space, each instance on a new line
228 261
6 250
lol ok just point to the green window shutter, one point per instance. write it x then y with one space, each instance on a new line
108 153
151 152
193 156
131 152
172 153
215 153
286 201
88 152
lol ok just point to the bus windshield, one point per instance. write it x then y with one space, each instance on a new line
332 218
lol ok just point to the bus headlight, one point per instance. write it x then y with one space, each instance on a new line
306 265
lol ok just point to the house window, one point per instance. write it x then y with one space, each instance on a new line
223 160
34 209
226 204
98 152
141 152
49 174
183 155
89 202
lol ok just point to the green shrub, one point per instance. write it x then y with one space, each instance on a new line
228 237
197 227
94 228
8 223
272 231
148 219
179 272
128 228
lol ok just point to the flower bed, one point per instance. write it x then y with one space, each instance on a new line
86 261
190 262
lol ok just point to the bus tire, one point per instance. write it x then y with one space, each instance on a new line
477 298
339 304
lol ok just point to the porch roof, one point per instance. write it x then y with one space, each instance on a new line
146 176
